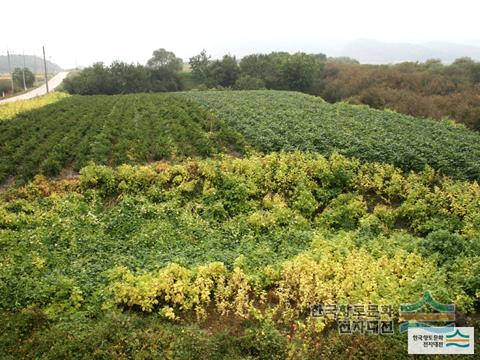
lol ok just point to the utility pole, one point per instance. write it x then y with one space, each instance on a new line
23 72
45 67
10 71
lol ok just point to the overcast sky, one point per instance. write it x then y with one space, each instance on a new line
86 31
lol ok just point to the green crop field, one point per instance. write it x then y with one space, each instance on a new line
108 130
143 128
204 225
279 120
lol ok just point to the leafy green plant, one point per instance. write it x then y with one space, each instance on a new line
274 121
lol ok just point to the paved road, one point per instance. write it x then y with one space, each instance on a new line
42 90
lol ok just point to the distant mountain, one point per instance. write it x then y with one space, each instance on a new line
32 62
375 52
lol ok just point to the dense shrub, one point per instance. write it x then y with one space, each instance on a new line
428 90
122 78
247 82
81 259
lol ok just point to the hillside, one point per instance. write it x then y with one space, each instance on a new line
34 63
136 129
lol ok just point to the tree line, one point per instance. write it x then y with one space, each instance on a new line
429 89
159 75
165 72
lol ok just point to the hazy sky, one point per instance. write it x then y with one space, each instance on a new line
82 32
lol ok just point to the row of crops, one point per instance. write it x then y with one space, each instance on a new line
279 120
142 128
107 130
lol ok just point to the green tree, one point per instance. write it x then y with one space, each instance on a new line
122 78
199 65
433 63
162 79
223 72
162 58
267 67
5 86
95 79
247 82
18 77
299 72
470 67
128 78
254 65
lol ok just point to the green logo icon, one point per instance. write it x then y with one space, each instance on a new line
458 339
410 317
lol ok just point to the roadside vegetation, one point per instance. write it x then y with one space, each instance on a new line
31 81
10 110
